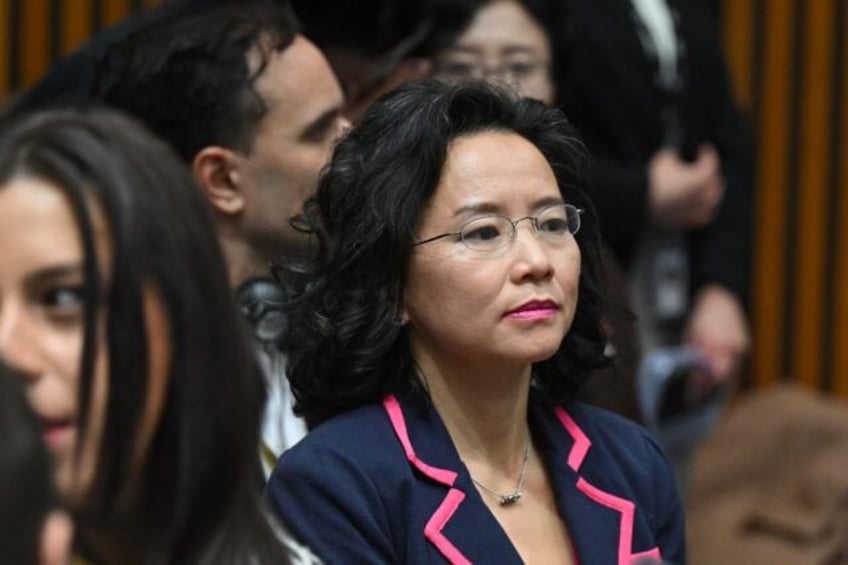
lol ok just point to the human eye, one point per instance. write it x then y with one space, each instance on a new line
64 301
553 226
553 221
454 68
522 68
323 129
483 232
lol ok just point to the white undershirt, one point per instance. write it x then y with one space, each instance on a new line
281 429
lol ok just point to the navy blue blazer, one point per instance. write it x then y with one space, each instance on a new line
384 484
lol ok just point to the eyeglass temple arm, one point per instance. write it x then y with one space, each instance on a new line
434 238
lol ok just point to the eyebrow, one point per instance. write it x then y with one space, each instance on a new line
519 50
322 123
56 272
492 208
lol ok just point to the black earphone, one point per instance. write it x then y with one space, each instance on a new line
261 302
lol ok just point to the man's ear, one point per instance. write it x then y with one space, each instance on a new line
216 170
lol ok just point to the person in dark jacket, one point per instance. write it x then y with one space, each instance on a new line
440 337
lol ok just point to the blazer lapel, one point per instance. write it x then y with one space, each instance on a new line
600 523
460 527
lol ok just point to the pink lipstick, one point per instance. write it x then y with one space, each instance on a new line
534 310
54 431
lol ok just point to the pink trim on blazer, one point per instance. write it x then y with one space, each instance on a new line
624 507
576 456
433 529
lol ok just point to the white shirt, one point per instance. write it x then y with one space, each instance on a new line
281 429
661 39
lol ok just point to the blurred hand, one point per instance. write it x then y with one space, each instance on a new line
684 195
718 331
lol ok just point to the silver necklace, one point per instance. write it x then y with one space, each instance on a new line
509 498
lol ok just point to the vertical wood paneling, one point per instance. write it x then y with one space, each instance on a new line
54 33
816 77
34 49
72 24
76 25
738 21
114 11
768 316
840 329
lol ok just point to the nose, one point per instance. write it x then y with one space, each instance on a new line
18 346
343 125
531 254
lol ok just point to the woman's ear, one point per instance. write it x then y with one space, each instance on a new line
216 170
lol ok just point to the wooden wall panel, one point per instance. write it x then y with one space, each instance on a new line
788 60
739 41
770 215
114 10
76 22
36 33
840 295
811 223
34 48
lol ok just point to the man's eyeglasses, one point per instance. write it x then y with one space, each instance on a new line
556 223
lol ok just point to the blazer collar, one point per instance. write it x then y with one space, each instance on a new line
462 528
600 523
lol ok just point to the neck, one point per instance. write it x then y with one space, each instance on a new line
484 410
243 262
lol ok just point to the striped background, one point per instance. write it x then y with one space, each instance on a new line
34 33
788 59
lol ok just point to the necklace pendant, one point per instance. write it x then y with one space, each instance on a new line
510 498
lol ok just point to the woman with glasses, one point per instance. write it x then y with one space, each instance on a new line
437 342
521 44
517 43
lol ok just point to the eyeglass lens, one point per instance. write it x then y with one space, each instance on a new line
486 233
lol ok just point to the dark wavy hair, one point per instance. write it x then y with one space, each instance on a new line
187 72
345 345
198 499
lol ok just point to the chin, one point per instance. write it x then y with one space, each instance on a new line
543 347
535 354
